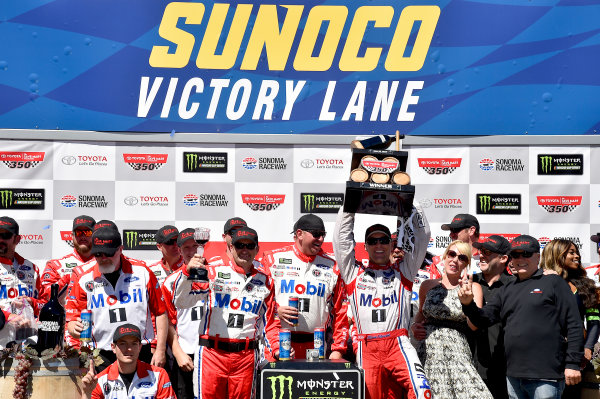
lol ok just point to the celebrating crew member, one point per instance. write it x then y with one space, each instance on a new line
241 306
304 271
230 226
117 289
166 242
184 323
59 270
543 334
379 295
19 277
127 377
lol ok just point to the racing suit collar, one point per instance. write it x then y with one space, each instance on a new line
176 266
141 370
302 256
240 269
80 258
379 267
20 260
125 267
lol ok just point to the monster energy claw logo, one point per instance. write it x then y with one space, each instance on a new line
192 160
131 238
282 386
546 163
6 197
485 203
309 202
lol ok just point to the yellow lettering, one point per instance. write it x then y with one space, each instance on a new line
266 33
428 15
336 15
207 57
350 61
184 41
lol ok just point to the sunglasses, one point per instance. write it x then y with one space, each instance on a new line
382 240
101 255
517 255
83 233
241 245
486 252
6 235
316 233
172 241
461 257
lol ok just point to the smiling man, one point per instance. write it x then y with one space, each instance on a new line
304 271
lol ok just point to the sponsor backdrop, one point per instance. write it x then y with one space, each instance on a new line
547 192
436 67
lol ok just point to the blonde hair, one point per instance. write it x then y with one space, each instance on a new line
464 248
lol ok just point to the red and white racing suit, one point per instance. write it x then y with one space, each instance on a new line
148 382
134 298
316 282
20 277
240 309
59 271
380 298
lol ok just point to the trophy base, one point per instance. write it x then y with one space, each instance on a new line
379 199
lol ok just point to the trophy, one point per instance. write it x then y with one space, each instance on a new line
201 236
379 184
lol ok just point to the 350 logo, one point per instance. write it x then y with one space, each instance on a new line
439 166
263 202
559 203
21 160
145 161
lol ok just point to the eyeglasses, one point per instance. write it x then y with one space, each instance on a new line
461 257
83 233
316 233
6 235
241 245
172 241
517 255
382 240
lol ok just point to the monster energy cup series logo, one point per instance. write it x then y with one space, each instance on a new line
546 163
485 202
6 197
309 202
284 384
192 160
205 162
131 238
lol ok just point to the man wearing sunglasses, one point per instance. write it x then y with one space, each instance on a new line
543 332
304 271
118 289
166 243
242 309
489 349
230 226
380 298
19 277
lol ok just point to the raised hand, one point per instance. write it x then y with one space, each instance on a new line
465 293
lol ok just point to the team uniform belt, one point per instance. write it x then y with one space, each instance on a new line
384 335
228 345
302 337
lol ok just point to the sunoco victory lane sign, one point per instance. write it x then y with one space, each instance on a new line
335 67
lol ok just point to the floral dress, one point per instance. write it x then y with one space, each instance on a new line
445 352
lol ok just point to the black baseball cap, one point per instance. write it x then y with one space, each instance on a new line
377 228
9 224
184 235
461 221
495 243
84 221
525 243
106 241
105 224
309 222
244 233
233 223
166 233
127 330
595 238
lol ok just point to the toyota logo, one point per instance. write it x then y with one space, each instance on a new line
69 160
130 200
425 203
307 163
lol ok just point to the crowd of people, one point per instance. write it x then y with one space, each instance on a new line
487 319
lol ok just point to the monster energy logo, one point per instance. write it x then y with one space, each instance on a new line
131 238
7 198
309 202
485 203
282 386
546 163
192 160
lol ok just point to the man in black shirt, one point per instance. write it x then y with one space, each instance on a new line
489 349
543 333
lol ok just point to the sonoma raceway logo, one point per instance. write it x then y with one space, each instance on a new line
85 160
21 160
83 201
263 202
502 164
439 166
219 200
559 203
145 161
250 163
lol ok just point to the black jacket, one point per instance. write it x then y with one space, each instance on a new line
543 333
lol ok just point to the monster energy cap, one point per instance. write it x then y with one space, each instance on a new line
84 221
9 224
184 235
106 241
461 221
309 222
495 243
233 223
166 233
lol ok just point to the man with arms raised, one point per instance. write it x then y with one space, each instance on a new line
379 295
304 271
